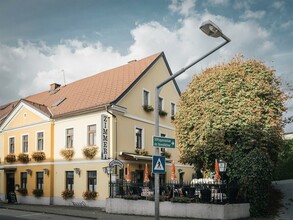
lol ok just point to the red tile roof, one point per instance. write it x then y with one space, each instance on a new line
92 92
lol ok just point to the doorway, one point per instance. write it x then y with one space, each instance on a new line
10 181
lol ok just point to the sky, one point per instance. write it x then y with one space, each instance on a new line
48 41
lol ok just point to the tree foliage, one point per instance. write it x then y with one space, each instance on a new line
229 111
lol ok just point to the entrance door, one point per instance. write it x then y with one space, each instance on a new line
9 183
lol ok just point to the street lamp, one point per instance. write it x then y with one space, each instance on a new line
222 166
211 29
109 171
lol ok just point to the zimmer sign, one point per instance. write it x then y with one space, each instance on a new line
104 137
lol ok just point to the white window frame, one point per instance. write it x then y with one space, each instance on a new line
37 141
21 150
87 134
162 107
142 137
66 138
149 95
9 144
172 103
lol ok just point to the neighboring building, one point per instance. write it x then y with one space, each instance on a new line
111 112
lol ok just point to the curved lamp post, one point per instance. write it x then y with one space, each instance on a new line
211 29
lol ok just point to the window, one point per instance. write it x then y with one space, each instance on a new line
23 180
138 138
11 145
40 180
173 109
92 180
69 180
161 104
24 143
69 138
40 141
91 135
146 96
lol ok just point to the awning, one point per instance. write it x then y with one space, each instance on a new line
133 156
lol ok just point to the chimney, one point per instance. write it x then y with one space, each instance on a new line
54 86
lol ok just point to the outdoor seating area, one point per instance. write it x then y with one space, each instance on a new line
217 192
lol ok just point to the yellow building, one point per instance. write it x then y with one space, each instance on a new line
104 119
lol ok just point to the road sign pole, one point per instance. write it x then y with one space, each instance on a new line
157 176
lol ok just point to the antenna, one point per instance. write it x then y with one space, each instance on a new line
64 77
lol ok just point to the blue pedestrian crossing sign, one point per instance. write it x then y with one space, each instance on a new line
158 164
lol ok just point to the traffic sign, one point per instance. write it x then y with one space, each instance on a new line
164 142
159 164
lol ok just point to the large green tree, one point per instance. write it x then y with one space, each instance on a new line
232 111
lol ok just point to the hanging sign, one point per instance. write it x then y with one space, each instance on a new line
104 137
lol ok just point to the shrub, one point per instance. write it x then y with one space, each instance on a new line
10 158
67 153
67 194
88 195
38 192
39 156
24 158
90 152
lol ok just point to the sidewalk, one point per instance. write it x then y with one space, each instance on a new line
81 212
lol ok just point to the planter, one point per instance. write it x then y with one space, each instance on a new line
39 156
163 113
166 154
10 158
38 192
141 152
67 153
67 194
90 152
22 191
24 158
87 195
148 108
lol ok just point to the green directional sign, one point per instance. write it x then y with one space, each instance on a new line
163 142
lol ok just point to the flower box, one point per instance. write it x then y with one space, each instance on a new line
90 152
166 154
10 158
38 192
67 194
39 156
24 158
141 152
67 153
148 108
163 113
88 195
22 191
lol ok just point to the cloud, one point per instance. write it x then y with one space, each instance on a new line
183 7
248 14
218 2
278 5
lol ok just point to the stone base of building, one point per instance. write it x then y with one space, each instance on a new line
183 210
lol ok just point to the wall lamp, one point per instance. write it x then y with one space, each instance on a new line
77 171
29 171
46 171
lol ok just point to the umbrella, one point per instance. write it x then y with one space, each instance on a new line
146 174
173 174
128 176
217 176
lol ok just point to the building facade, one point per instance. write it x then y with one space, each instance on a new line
80 128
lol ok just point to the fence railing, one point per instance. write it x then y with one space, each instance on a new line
184 192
